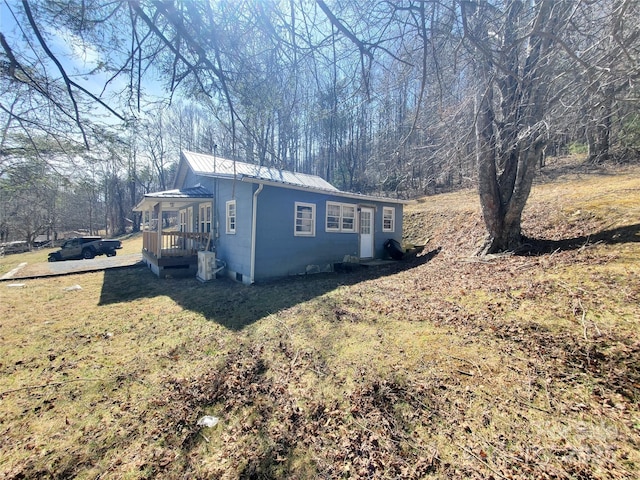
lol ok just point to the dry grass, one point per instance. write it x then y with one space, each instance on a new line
443 366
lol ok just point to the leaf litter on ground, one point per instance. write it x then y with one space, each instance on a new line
443 365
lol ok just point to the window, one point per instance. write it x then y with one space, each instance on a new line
333 217
341 217
183 220
348 218
231 217
388 219
205 217
305 220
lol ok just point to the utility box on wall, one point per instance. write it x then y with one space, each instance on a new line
206 266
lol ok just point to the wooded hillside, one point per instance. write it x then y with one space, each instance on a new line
397 98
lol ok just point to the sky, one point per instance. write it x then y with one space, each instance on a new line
78 59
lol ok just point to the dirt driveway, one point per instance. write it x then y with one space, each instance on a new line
50 269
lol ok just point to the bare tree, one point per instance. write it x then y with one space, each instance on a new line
29 194
514 44
605 52
400 97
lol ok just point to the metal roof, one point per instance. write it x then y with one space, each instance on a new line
192 192
210 165
214 166
177 198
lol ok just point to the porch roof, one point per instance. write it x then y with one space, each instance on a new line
174 199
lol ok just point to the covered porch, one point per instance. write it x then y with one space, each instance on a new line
176 225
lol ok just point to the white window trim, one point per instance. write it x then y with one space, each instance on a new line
341 217
386 210
297 233
229 230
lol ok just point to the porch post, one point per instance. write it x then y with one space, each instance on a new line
159 230
149 231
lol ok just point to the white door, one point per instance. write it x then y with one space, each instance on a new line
366 232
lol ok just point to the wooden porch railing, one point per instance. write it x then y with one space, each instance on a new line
174 244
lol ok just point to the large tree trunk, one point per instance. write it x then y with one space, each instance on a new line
503 195
510 131
502 207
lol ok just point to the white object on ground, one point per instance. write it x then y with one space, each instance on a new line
208 421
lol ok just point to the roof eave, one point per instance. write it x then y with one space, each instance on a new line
178 202
338 193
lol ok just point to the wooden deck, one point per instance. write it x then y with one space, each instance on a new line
173 253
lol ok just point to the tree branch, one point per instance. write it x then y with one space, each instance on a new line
61 69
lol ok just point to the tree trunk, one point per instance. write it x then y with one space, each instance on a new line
511 133
502 196
598 135
502 209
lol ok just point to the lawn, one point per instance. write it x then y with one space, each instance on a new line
444 365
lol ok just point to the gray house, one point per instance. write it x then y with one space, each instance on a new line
254 223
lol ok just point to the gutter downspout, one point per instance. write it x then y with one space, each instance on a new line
254 222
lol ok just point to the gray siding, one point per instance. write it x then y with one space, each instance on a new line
380 236
234 250
279 252
191 180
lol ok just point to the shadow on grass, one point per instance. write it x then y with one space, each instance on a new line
627 234
234 305
557 168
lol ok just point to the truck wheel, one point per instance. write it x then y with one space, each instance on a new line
88 254
53 258
112 253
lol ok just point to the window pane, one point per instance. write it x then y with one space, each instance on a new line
365 223
231 216
333 216
388 219
304 220
348 217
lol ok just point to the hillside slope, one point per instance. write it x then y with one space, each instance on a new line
443 365
570 200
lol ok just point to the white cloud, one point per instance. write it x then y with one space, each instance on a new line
80 55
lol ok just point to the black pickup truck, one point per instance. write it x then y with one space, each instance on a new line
85 247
